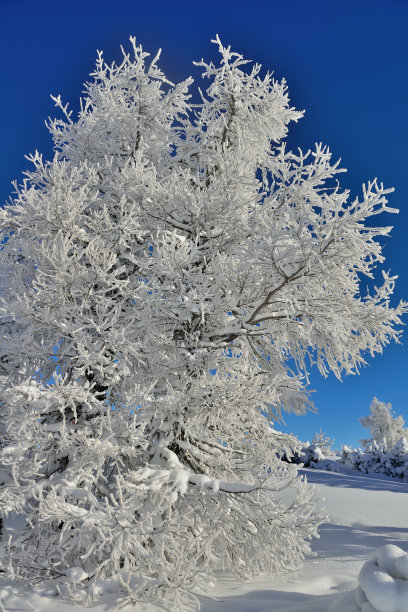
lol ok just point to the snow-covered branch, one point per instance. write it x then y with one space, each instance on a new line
166 281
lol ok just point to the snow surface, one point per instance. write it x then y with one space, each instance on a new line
383 581
368 512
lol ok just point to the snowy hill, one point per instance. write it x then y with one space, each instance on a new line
367 512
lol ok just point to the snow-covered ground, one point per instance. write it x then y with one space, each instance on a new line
367 512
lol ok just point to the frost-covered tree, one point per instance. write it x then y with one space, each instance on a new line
386 429
323 441
172 273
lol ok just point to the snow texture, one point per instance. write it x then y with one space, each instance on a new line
76 574
383 581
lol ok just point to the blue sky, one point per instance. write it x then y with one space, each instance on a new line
345 63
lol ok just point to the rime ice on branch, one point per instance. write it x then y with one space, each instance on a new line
166 281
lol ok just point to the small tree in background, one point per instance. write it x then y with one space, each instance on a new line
323 441
386 428
164 272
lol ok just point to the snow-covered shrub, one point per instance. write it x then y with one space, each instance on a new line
386 428
383 581
302 453
169 275
329 465
311 454
396 460
377 459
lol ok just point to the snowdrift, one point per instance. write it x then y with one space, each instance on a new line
383 581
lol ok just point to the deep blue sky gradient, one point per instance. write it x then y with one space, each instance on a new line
345 63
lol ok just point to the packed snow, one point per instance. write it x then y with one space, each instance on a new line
360 562
383 581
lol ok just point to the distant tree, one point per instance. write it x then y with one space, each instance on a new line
323 441
166 271
386 428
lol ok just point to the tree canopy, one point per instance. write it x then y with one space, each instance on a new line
168 278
